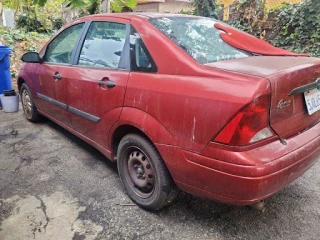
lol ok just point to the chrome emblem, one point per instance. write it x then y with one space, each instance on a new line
283 104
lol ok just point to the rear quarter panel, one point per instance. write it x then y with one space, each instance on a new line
192 109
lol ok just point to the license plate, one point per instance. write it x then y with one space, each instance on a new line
312 98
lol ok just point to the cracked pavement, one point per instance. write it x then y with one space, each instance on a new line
55 186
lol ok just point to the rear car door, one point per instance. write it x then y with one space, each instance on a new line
99 78
53 73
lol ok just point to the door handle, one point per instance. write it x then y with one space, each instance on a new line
108 84
57 76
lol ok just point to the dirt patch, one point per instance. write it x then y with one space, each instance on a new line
46 217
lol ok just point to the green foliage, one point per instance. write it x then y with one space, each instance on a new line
20 5
118 5
20 42
299 27
248 16
29 23
206 8
87 7
33 17
189 12
57 23
15 4
12 36
295 27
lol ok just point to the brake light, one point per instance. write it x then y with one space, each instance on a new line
250 125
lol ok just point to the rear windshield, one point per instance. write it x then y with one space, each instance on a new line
198 37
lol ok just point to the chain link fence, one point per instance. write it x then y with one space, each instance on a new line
226 5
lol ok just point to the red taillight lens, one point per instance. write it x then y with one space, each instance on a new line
250 125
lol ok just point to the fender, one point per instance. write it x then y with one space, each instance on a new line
26 78
30 78
156 132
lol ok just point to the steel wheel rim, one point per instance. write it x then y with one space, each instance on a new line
139 173
26 103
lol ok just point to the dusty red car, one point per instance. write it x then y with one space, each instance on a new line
180 102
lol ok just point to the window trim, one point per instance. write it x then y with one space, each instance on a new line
73 51
124 62
147 52
80 43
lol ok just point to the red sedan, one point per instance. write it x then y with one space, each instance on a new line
180 102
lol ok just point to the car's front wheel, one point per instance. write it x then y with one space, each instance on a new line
29 108
146 178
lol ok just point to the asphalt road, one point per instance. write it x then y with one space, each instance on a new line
55 186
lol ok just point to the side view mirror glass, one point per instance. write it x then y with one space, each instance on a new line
30 57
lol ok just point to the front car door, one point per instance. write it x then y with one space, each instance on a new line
53 73
98 82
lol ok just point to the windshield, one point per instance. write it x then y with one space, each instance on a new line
198 37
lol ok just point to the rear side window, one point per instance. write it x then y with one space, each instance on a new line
103 45
61 48
141 60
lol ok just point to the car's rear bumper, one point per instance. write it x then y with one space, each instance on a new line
265 170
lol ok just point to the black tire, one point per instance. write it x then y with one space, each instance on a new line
143 173
29 108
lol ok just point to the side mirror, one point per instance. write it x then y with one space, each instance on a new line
30 57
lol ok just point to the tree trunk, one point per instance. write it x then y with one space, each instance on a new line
105 6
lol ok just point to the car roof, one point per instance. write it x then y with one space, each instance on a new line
137 15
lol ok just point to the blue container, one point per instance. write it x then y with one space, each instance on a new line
5 75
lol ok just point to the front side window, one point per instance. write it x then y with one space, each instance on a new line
103 45
141 60
61 48
198 37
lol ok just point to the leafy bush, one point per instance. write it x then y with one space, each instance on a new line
299 27
189 11
118 5
20 42
31 23
13 36
248 16
28 22
57 23
295 27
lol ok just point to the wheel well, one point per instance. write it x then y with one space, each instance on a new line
20 82
120 132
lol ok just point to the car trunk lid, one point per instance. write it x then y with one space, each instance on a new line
288 113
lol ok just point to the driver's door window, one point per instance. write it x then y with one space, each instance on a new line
61 48
103 45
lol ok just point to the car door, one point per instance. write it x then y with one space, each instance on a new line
53 73
98 81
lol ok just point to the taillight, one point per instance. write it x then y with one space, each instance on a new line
250 125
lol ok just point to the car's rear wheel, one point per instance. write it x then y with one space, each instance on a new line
29 108
146 178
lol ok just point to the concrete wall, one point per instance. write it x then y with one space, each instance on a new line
170 6
147 7
173 6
